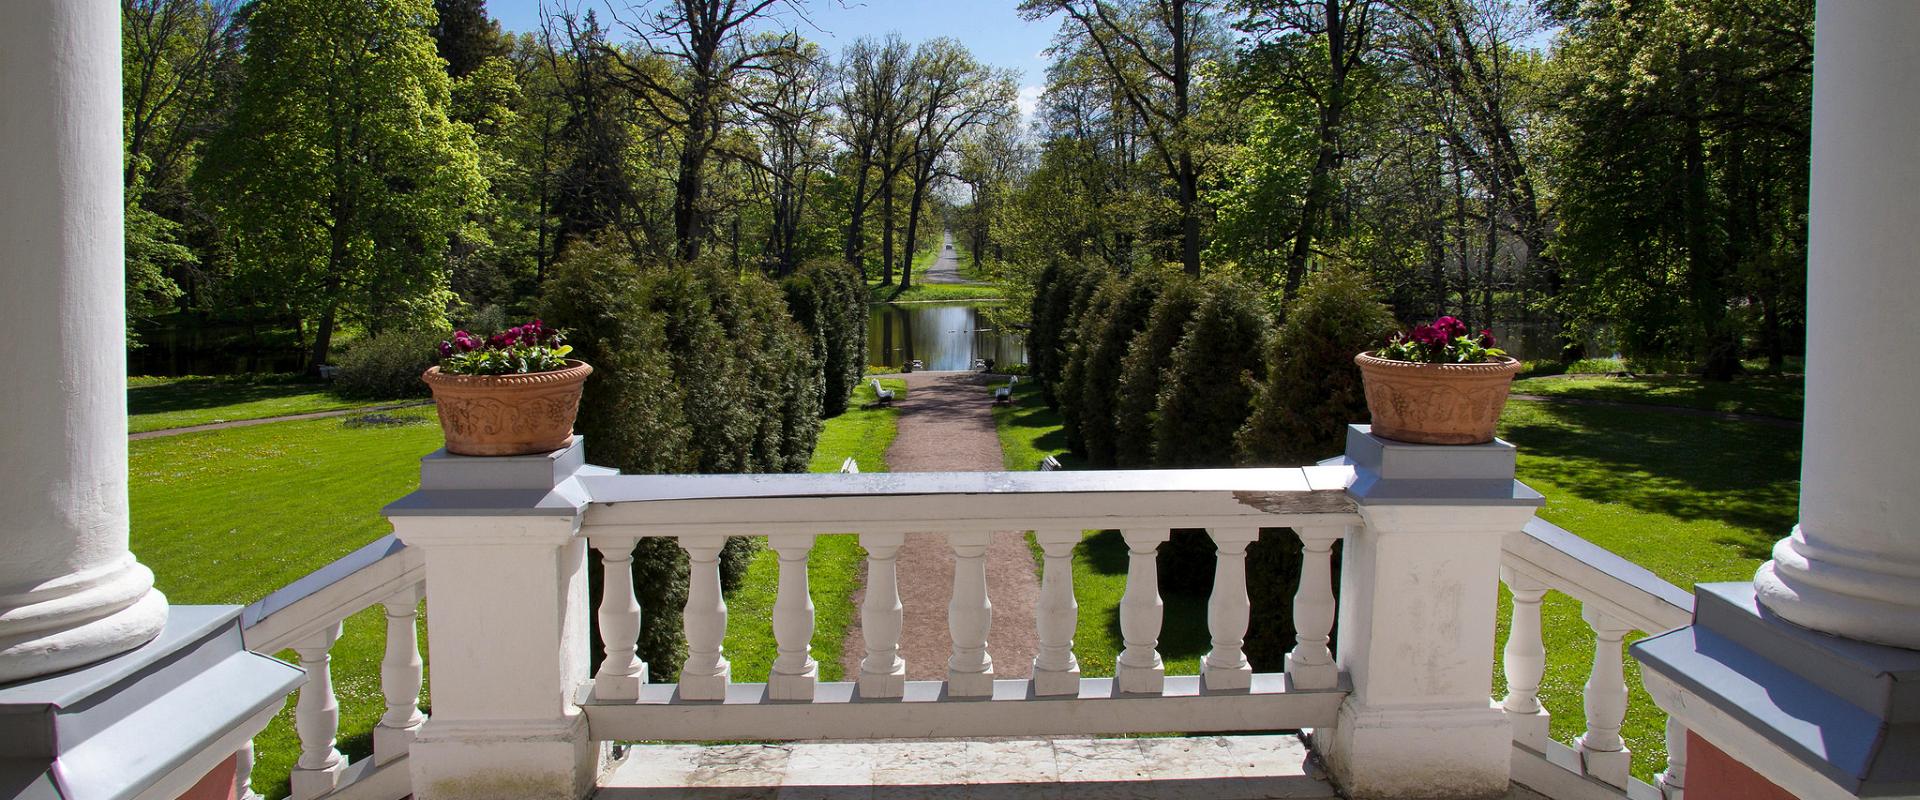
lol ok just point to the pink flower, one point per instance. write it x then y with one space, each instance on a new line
1429 335
446 349
1486 337
1450 327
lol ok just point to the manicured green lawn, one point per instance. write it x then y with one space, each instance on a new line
1693 499
160 403
833 567
931 292
1767 395
1029 431
229 516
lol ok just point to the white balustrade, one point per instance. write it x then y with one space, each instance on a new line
1603 753
794 671
1673 780
1055 669
1310 664
882 673
621 670
243 773
1228 611
401 672
1138 670
1524 661
316 719
705 673
970 617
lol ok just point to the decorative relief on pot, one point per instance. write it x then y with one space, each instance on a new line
1435 403
505 415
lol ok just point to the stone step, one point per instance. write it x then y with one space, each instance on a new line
1209 767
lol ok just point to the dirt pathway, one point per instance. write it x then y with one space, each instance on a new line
946 268
946 425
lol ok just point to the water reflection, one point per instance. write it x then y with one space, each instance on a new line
943 336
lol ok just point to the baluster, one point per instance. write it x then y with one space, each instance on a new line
243 773
1523 661
1138 670
794 670
621 671
316 718
882 673
1310 664
1673 781
1055 669
400 674
1228 611
705 673
1602 753
969 617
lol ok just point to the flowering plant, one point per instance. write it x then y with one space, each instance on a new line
532 347
1443 341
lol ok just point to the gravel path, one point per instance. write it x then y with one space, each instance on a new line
946 425
946 268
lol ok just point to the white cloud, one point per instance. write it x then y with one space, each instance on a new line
1029 101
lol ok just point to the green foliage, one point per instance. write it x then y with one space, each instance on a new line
387 365
339 177
153 252
1312 390
1076 351
1206 392
827 299
1058 300
1105 352
1136 406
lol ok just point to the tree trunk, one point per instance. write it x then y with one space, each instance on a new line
886 231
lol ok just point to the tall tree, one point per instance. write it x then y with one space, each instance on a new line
955 93
339 175
872 104
465 36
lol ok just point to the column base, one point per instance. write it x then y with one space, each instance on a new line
793 687
1606 766
79 620
706 687
1227 679
305 782
970 684
1531 730
1311 676
1826 593
1139 680
392 743
1409 753
619 687
1052 683
506 759
884 685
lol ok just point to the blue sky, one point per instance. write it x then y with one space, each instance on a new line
989 28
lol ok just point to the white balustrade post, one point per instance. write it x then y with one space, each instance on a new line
316 719
621 670
1310 664
243 773
882 673
1524 661
1138 669
510 622
1228 612
706 672
969 617
1055 669
1673 780
1603 753
1419 593
794 671
401 672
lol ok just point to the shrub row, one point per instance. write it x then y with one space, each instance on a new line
828 299
1163 370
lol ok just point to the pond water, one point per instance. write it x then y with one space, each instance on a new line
943 336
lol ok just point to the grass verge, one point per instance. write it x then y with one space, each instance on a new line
160 403
1767 395
932 292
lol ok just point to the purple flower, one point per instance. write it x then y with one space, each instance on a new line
446 349
1429 335
1450 327
1486 337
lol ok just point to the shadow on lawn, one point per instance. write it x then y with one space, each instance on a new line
197 393
1689 468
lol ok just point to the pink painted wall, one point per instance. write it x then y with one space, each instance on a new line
217 785
1714 775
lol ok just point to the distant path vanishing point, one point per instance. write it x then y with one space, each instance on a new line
946 268
946 425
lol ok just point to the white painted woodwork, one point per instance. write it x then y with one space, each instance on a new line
928 710
351 584
621 670
316 719
883 673
705 673
1852 565
70 592
1310 664
794 670
1056 671
401 673
1673 780
1228 612
1524 661
1603 753
1566 563
969 617
1138 669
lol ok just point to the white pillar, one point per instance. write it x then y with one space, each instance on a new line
1852 566
70 592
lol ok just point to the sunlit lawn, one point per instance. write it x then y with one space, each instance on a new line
1767 395
160 403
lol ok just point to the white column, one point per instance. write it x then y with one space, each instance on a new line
1056 671
621 670
794 671
1138 669
969 617
882 673
1673 780
1229 610
1852 566
1310 664
706 672
1524 662
316 719
1603 754
401 671
70 592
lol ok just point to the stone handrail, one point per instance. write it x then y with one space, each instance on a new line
306 617
1616 598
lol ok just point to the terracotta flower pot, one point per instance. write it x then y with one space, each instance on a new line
508 415
1435 403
